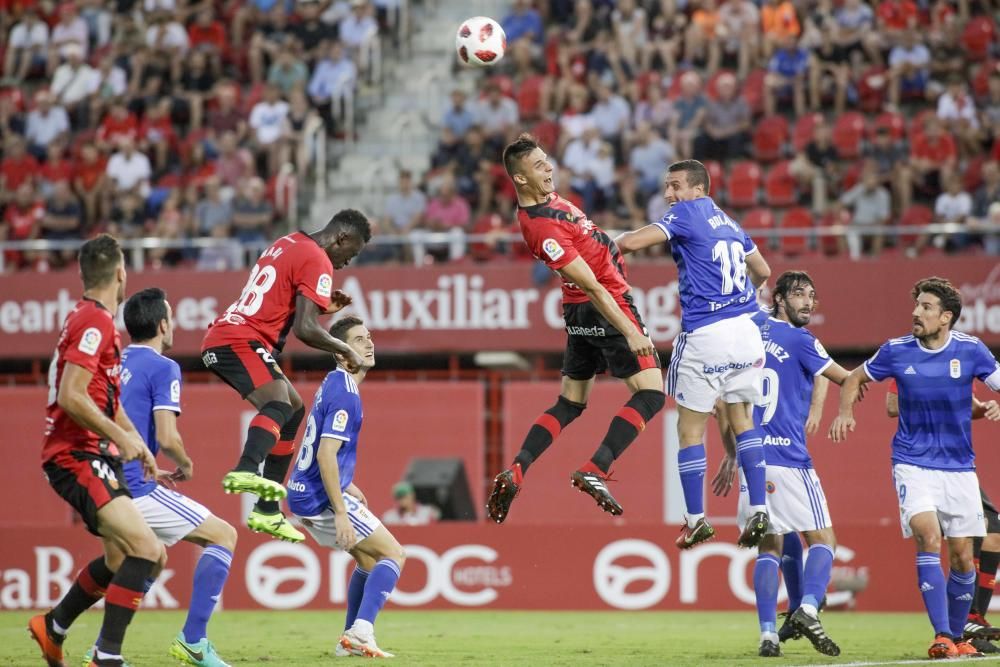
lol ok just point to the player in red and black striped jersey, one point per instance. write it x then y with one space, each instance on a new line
289 287
604 330
87 436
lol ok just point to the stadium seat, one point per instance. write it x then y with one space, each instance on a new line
848 133
872 88
802 134
769 136
753 90
914 216
716 175
796 218
757 219
981 79
830 244
978 36
894 122
780 186
744 182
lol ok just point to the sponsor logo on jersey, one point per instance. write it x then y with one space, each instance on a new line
340 420
175 391
585 331
90 341
297 486
731 366
324 287
820 350
955 368
552 248
777 441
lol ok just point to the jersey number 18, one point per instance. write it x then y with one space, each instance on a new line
732 263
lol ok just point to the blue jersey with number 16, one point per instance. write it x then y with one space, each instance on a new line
336 413
710 251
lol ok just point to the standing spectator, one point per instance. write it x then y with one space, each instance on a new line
786 76
22 220
496 114
27 46
267 120
726 131
90 182
17 167
405 207
871 206
407 511
458 117
908 68
446 213
957 110
212 211
63 221
73 81
933 156
689 114
252 213
70 30
129 170
649 156
738 33
524 22
46 124
332 84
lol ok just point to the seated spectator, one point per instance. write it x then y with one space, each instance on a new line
655 109
665 33
590 162
495 113
610 114
738 33
226 117
71 30
313 35
47 123
171 224
17 167
22 220
11 122
195 88
778 22
446 213
212 210
575 119
404 208
957 110
648 159
208 36
908 68
786 77
332 81
523 22
688 116
271 37
167 41
288 73
954 205
892 163
989 192
629 25
871 206
299 132
129 171
117 125
991 238
357 31
72 81
157 136
27 46
63 221
225 255
127 219
267 120
991 107
895 17
458 117
829 65
853 32
726 130
700 43
252 213
818 166
107 83
948 55
933 157
90 182
407 511
56 168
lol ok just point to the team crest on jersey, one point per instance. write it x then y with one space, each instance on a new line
551 248
771 487
324 287
175 391
955 368
820 350
90 341
340 420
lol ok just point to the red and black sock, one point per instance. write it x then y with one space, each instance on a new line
546 429
89 587
277 463
121 601
986 573
626 426
262 435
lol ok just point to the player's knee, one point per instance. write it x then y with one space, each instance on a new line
161 561
962 561
647 402
146 546
928 541
398 554
566 410
224 535
279 411
295 401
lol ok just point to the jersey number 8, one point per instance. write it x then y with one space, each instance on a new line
308 445
252 296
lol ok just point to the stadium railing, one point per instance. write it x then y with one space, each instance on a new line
136 249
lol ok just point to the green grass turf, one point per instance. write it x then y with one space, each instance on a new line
495 638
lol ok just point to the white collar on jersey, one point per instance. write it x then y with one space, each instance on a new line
937 351
145 346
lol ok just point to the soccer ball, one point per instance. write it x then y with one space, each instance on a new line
480 41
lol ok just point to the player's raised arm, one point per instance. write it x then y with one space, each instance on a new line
758 268
646 237
579 273
329 470
849 392
310 332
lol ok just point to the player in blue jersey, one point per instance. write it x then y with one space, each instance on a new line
322 493
933 463
795 502
719 353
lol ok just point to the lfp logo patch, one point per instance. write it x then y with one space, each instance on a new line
324 287
551 248
90 341
340 420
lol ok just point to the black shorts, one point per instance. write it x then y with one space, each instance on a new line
87 481
244 366
594 346
990 512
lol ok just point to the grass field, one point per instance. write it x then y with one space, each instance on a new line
498 638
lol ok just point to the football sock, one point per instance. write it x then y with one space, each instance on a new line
627 425
263 434
275 469
209 577
546 429
765 588
792 569
121 601
816 576
988 561
355 591
691 464
89 587
930 580
961 589
750 452
380 583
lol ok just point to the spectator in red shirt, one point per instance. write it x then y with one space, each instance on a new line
156 134
234 164
226 117
209 36
90 182
18 167
57 168
119 124
894 18
932 156
22 222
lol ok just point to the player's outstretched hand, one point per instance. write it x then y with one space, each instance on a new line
840 428
338 301
184 472
722 483
642 346
992 411
131 446
346 537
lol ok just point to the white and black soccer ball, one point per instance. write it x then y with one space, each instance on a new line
480 42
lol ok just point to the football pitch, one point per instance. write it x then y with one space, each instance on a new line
499 638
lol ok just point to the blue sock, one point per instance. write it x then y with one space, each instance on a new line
146 585
209 577
750 452
692 465
792 570
930 579
355 591
765 588
380 583
961 591
817 574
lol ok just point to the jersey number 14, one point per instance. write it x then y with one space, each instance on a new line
732 264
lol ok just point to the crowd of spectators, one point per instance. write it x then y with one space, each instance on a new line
836 114
167 118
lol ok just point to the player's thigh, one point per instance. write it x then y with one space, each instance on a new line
918 494
323 526
87 481
692 378
581 360
744 361
213 530
795 500
381 544
961 509
577 391
250 369
619 358
171 516
120 522
649 379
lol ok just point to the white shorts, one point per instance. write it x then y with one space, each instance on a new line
953 495
795 501
171 515
724 360
323 529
